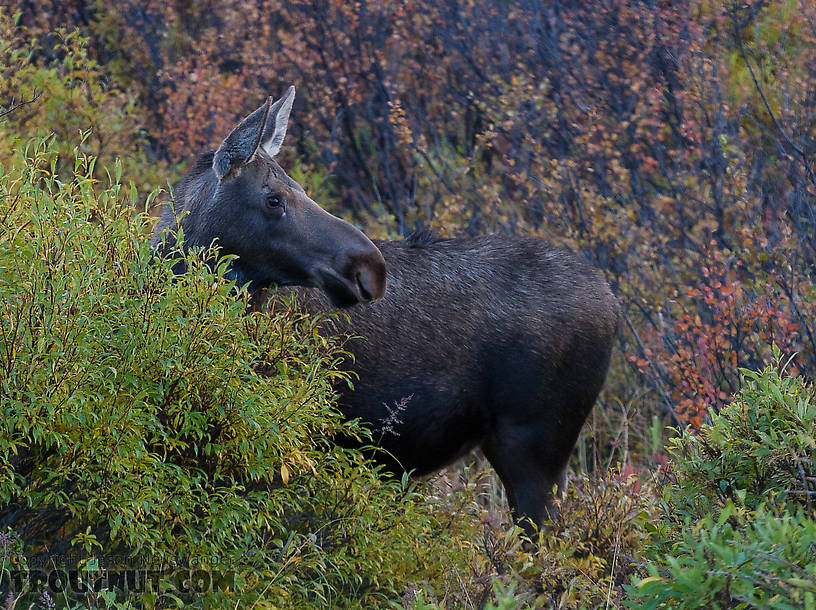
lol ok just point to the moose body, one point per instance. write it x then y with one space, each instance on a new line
499 342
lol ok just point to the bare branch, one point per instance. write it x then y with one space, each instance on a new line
20 104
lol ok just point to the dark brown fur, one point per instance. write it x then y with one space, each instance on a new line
500 342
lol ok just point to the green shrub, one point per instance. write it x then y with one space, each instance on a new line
759 448
156 421
744 559
738 526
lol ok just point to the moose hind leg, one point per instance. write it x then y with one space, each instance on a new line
529 471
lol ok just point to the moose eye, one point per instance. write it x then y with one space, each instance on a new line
273 201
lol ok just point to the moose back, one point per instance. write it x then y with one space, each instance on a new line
500 342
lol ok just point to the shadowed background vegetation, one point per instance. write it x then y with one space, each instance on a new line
670 142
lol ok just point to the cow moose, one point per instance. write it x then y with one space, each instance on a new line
497 342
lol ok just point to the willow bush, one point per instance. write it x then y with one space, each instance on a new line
737 527
158 422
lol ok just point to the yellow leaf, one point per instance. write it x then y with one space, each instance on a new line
285 474
649 579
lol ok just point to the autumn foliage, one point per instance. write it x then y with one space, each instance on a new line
672 142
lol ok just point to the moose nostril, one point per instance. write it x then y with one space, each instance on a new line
370 281
365 270
365 295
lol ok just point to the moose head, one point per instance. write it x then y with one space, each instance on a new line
241 199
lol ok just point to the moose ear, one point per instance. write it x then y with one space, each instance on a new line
242 142
275 129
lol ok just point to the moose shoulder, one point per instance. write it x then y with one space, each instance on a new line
498 342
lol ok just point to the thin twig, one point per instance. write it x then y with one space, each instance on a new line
805 485
612 572
21 104
667 405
